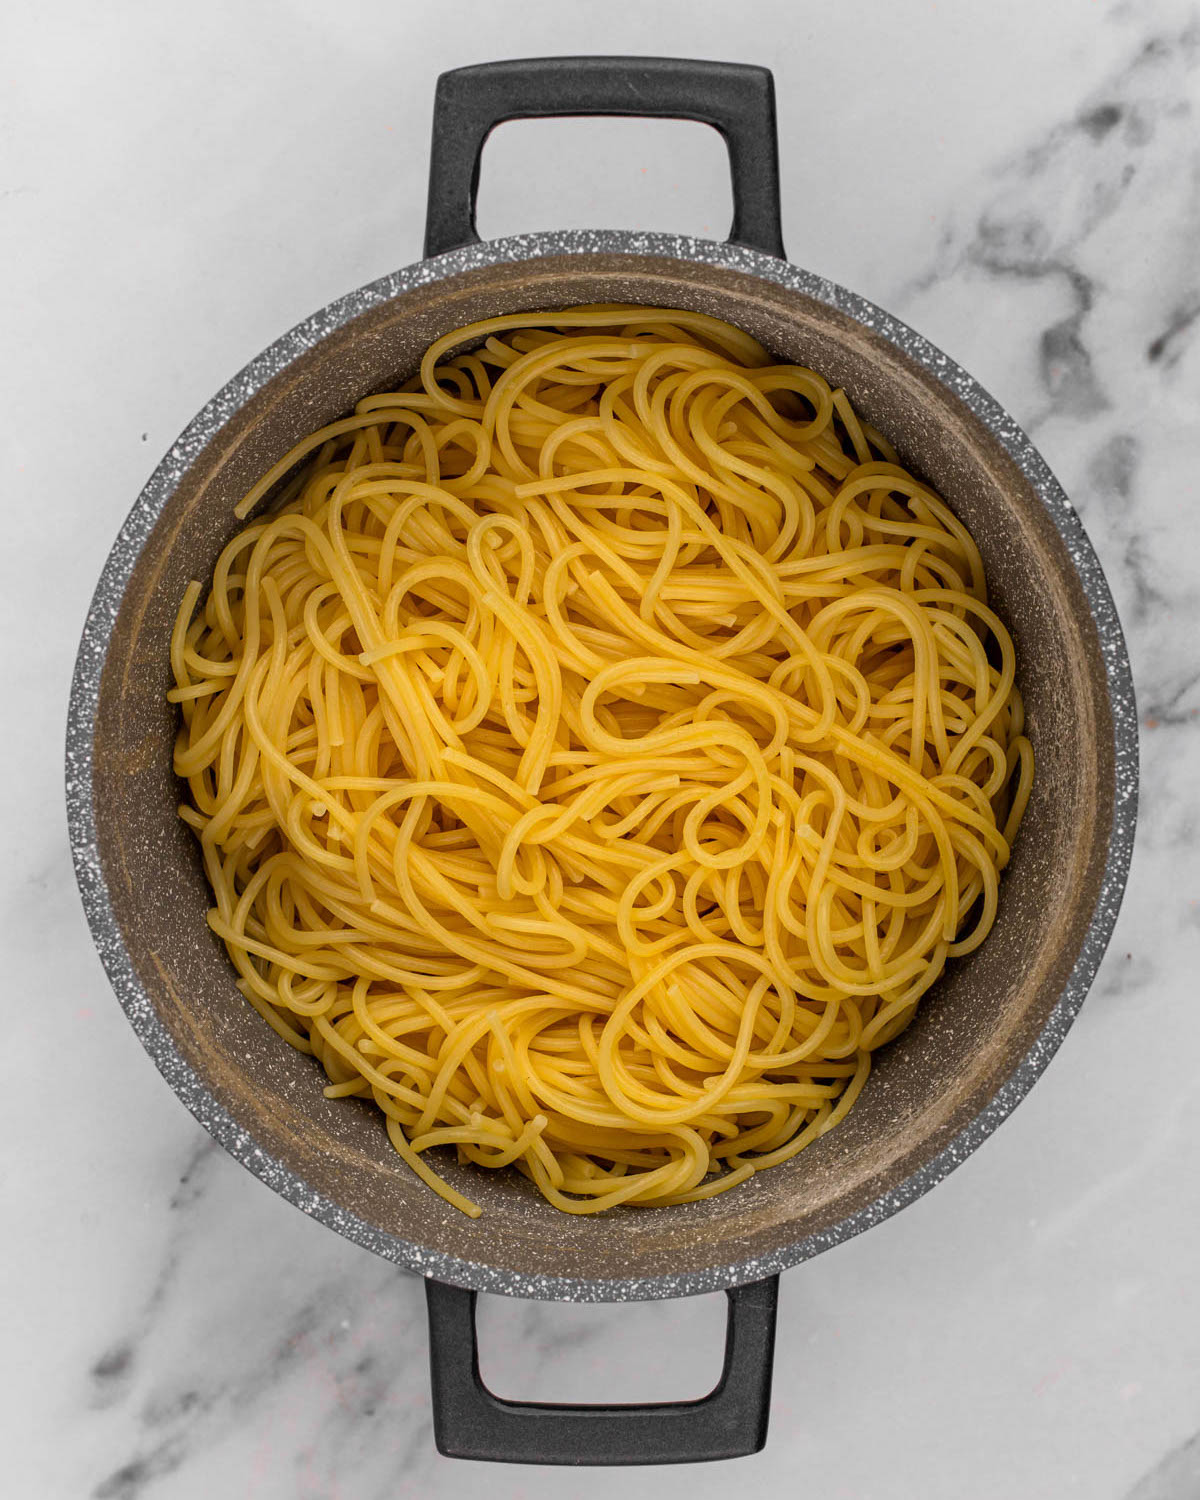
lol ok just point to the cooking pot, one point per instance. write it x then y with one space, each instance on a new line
982 1035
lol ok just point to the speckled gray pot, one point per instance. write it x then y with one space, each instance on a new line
983 1035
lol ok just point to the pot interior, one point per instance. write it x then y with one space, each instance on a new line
973 1028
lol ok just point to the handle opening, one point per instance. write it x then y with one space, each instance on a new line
658 176
589 1352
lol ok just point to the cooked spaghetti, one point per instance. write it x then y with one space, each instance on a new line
597 751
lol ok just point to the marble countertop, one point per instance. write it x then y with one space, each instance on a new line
178 185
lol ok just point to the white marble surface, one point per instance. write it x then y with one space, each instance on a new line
179 184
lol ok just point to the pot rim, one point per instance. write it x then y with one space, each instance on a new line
84 701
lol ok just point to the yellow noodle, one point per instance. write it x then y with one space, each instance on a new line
597 752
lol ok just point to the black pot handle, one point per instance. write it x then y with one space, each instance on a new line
470 1422
737 100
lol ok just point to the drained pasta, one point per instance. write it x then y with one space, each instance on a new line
597 751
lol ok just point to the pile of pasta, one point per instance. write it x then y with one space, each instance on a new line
596 750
